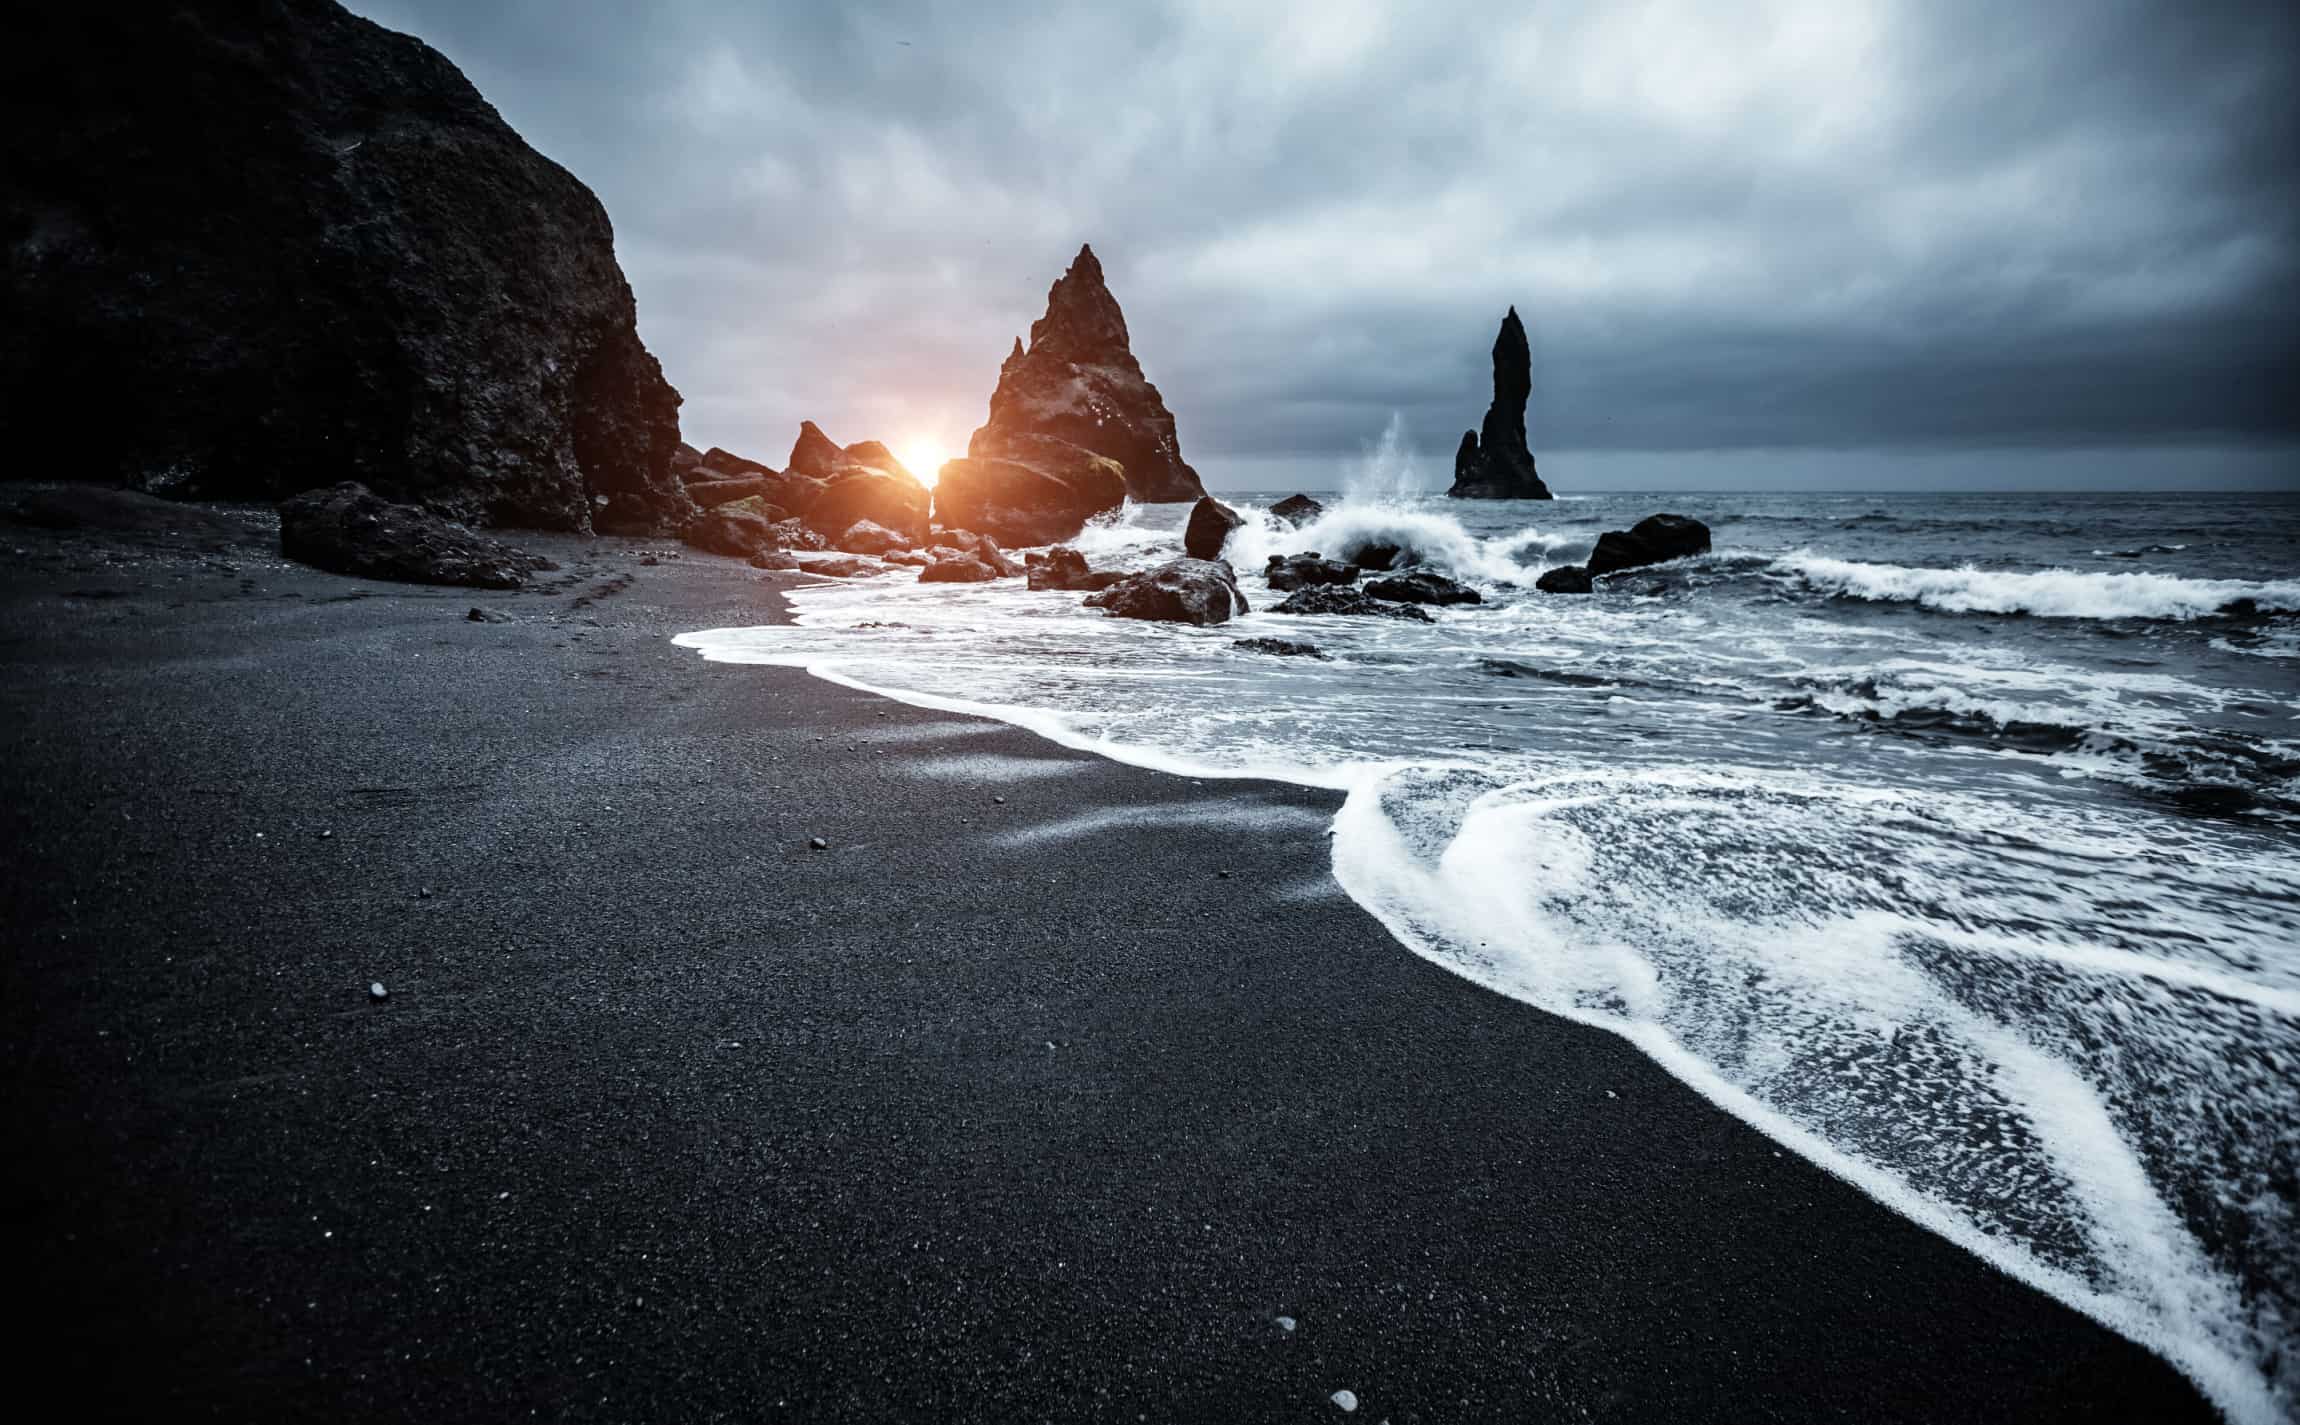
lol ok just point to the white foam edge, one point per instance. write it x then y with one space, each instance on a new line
1359 833
1363 843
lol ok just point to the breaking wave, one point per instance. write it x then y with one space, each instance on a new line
2049 593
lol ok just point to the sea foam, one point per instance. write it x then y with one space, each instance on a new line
2048 593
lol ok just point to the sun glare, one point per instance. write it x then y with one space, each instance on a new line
922 458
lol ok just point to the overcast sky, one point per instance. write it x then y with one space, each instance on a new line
1936 227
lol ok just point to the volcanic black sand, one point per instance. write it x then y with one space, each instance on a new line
991 1111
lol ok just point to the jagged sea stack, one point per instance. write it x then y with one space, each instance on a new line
260 246
1497 464
1078 384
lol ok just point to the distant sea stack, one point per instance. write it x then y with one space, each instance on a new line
1497 464
1078 384
254 247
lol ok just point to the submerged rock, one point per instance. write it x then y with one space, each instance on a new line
1280 648
1423 587
1209 528
1564 579
1199 591
1078 384
1339 599
256 249
349 530
1294 571
1297 510
1652 540
1497 464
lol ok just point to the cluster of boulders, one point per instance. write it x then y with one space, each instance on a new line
1656 539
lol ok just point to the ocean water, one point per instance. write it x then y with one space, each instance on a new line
1953 841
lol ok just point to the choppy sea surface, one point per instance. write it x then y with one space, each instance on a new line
1953 841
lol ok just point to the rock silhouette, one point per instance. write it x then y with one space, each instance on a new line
1077 383
1496 464
257 248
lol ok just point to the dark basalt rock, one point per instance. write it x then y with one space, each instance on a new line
841 566
1339 599
709 493
1078 383
1565 579
1280 647
1497 464
815 454
126 512
347 529
1297 510
255 248
1058 568
954 567
1423 587
1376 556
739 528
871 537
977 546
687 463
896 501
1045 494
1652 540
1199 591
1209 529
779 559
1294 571
718 464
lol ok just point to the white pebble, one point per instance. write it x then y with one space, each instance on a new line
1285 1323
1348 1400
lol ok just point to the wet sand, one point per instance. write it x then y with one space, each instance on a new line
993 1110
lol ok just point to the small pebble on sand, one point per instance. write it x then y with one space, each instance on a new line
377 992
1348 1400
818 843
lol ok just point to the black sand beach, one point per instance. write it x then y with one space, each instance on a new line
991 1111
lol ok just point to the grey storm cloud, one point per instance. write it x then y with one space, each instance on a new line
1800 223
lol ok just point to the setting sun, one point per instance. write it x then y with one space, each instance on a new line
922 458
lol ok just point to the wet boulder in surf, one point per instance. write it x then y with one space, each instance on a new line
954 566
1297 510
1344 600
348 529
1652 540
1377 556
1423 587
1077 383
1564 579
1209 529
1200 591
257 249
1293 571
1059 568
1043 495
1280 647
1494 462
977 546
